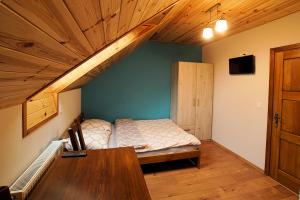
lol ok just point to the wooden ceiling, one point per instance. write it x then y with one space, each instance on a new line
186 27
42 40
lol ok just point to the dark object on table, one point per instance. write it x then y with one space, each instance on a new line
68 154
4 193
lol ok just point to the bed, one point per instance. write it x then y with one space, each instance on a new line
154 140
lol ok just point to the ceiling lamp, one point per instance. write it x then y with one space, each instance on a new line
221 25
207 33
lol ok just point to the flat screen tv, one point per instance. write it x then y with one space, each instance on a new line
242 65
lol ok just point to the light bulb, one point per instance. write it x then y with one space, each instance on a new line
207 33
221 25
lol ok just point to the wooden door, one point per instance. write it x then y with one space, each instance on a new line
204 95
285 128
187 96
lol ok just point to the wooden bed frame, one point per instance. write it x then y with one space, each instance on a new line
150 157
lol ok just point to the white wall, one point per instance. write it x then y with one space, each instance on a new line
17 152
240 102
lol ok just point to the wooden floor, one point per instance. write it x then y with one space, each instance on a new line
222 176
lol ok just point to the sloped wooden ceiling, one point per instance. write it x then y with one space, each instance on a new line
41 40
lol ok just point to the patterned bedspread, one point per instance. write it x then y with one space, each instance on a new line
151 135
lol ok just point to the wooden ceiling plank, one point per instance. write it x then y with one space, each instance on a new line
18 34
25 91
53 18
15 61
110 11
138 13
174 13
176 23
12 101
6 90
20 82
154 6
27 76
126 14
182 23
88 15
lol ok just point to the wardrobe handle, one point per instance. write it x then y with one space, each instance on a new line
194 102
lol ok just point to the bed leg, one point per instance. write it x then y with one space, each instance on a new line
198 163
199 159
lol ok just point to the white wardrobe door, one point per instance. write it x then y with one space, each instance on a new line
204 101
187 81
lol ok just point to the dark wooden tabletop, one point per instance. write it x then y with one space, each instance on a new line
110 174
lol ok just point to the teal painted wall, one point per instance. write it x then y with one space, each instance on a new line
138 86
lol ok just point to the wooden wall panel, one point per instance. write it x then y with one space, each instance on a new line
40 110
18 34
53 17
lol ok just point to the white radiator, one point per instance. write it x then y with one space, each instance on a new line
25 183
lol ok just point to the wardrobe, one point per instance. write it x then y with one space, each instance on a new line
191 97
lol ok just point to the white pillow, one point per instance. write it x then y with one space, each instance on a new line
96 124
96 133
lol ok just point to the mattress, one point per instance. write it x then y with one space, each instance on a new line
112 143
159 134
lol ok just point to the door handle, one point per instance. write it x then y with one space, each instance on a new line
276 119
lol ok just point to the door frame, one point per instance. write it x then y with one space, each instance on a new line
271 98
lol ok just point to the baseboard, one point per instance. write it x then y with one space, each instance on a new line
239 157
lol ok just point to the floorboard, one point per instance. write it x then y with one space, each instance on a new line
222 176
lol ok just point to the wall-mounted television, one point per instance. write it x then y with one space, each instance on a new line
242 65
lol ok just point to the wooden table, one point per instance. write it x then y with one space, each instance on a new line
110 174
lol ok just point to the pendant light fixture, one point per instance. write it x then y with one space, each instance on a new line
221 24
208 31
